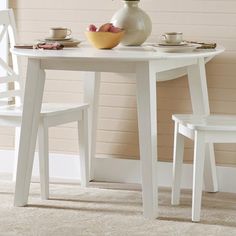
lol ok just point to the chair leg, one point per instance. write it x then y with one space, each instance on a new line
84 149
177 165
43 160
198 167
17 142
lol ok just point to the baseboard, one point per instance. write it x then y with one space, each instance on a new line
65 168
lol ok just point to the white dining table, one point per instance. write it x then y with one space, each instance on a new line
149 66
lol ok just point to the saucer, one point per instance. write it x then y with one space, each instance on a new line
66 43
183 43
70 43
57 39
175 49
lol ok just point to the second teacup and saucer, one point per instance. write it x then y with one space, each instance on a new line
173 42
172 39
61 35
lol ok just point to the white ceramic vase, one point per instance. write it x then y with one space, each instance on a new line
136 23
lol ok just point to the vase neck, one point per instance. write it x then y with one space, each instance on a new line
131 3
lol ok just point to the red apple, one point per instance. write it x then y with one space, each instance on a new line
105 27
114 29
92 28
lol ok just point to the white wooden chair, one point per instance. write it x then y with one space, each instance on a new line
51 114
201 129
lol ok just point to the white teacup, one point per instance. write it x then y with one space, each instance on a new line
59 32
172 37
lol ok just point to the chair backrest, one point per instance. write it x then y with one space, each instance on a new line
9 75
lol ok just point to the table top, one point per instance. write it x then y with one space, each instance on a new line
140 53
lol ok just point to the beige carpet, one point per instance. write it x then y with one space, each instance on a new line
74 211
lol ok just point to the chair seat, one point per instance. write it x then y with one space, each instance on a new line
48 109
207 123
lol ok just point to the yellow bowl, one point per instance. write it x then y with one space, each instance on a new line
104 40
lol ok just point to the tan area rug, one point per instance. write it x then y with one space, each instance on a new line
73 211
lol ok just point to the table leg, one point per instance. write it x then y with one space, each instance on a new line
147 124
91 95
200 105
30 119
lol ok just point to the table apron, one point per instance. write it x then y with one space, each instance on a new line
84 65
159 65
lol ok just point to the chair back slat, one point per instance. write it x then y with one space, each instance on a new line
3 32
10 93
4 17
8 79
9 74
6 67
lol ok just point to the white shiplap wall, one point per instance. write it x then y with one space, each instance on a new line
204 20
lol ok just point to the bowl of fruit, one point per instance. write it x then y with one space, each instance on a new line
106 36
